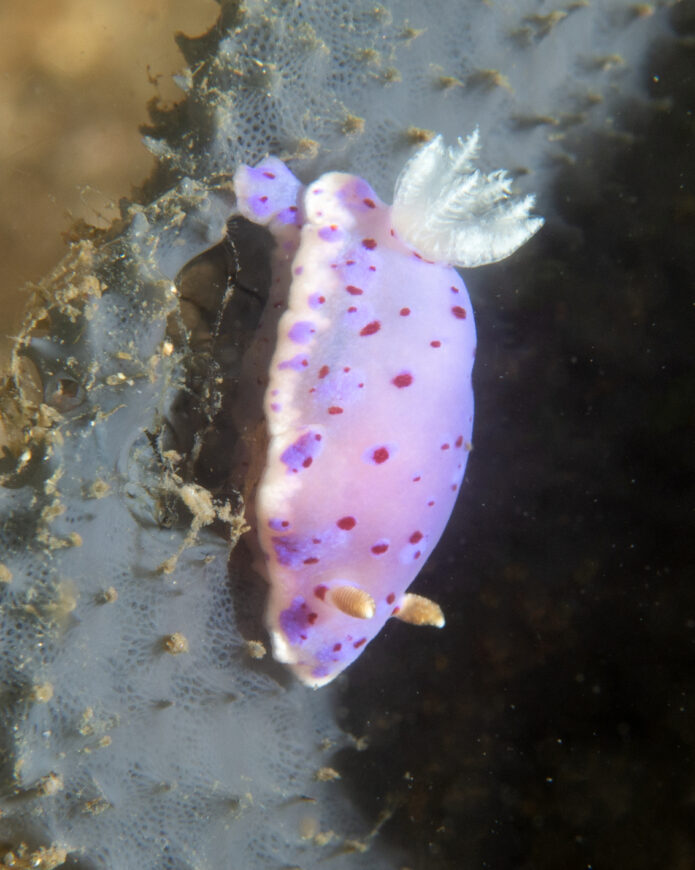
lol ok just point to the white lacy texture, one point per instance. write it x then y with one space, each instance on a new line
452 213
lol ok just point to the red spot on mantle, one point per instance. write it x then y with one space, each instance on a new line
405 379
346 523
371 328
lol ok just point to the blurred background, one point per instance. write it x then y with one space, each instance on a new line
75 79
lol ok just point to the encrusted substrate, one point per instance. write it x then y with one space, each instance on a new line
136 730
355 85
141 724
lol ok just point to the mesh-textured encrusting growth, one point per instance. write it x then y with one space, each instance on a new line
354 86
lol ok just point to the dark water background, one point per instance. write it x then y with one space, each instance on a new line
552 723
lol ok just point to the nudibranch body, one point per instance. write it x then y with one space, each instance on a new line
369 401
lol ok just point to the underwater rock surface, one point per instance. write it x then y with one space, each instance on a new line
137 726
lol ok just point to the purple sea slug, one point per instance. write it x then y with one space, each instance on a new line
369 400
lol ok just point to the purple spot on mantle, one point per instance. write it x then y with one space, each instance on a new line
301 454
297 363
316 300
294 621
261 206
292 550
301 332
326 654
277 524
288 215
330 233
341 387
357 195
